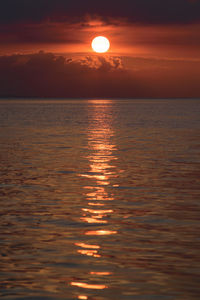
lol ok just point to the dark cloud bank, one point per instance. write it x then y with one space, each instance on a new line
47 75
144 11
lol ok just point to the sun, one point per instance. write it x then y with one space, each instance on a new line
100 44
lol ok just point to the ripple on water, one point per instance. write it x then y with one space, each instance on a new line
103 208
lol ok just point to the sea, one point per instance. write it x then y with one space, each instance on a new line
100 199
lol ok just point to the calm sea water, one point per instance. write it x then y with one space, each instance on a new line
100 199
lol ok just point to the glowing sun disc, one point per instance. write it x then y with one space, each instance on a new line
100 44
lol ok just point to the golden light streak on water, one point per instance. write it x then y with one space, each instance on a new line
82 297
94 220
83 245
92 211
89 253
100 232
89 286
101 273
100 173
95 204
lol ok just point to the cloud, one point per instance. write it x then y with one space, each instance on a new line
143 11
38 33
47 75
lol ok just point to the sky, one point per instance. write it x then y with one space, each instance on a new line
45 48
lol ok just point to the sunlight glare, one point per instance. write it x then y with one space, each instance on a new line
100 44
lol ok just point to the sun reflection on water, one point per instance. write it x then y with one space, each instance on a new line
101 273
82 297
89 286
100 232
102 170
87 246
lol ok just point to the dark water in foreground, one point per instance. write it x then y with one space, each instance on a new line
100 199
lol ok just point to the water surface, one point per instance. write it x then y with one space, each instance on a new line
99 199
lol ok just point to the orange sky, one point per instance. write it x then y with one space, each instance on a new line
155 48
160 41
